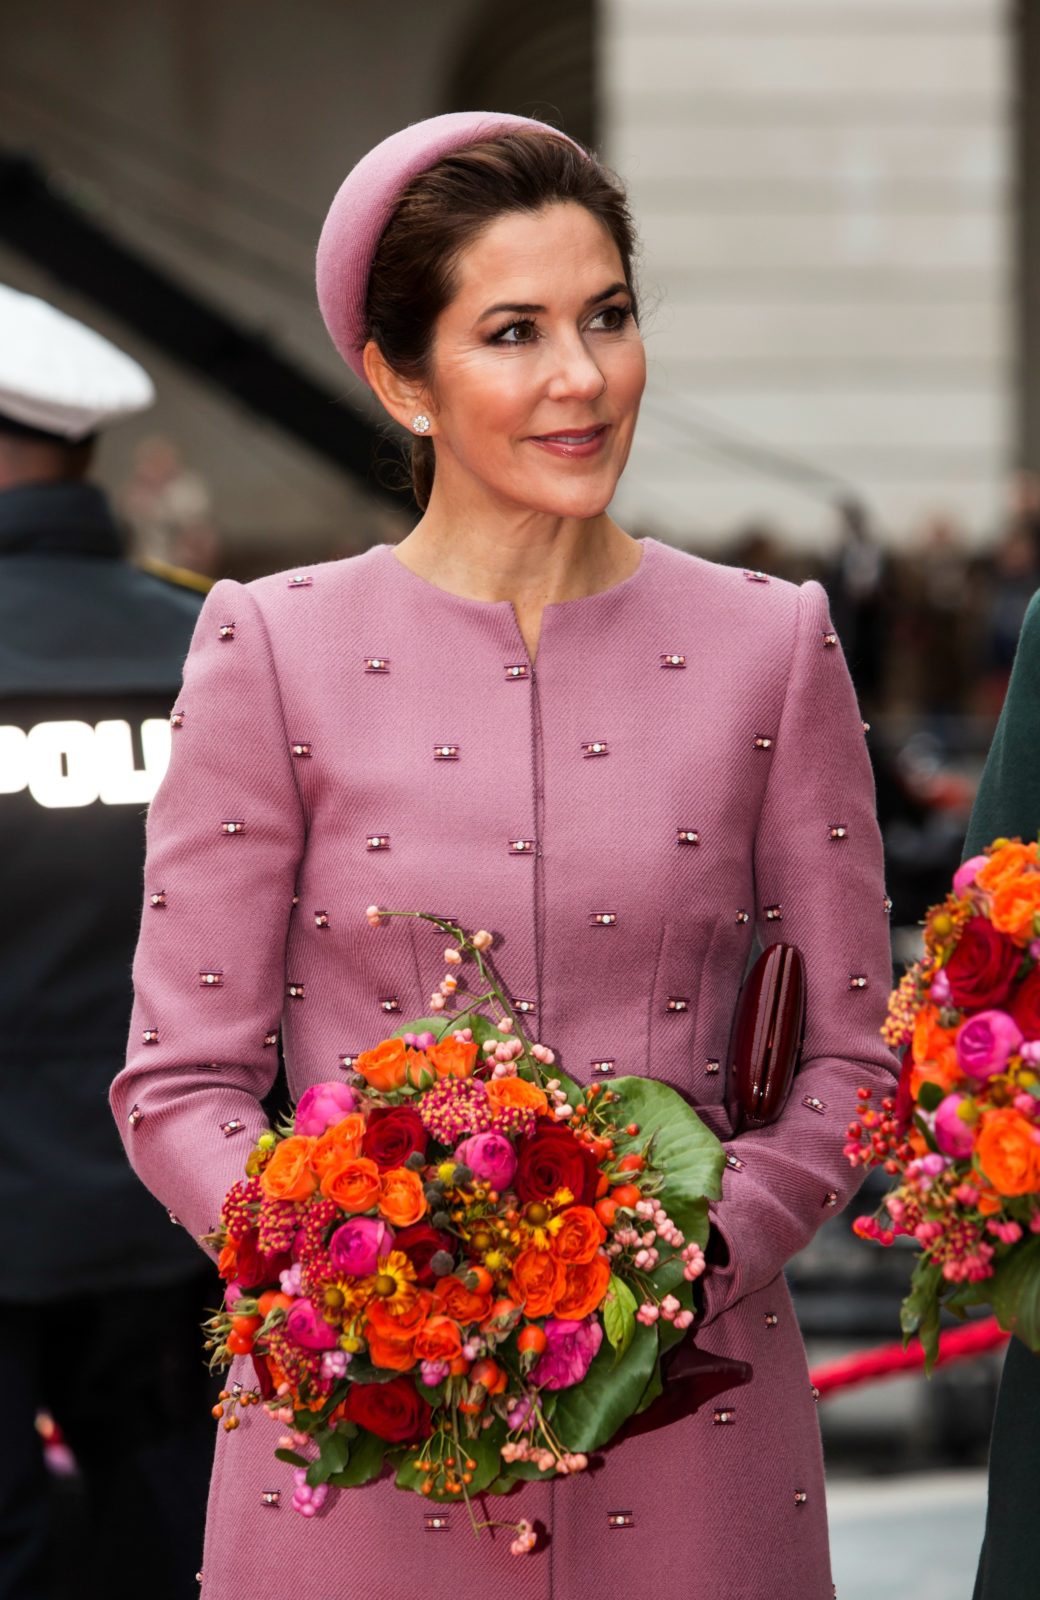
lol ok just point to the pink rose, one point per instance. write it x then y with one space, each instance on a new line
322 1106
356 1247
491 1157
569 1352
964 877
985 1041
952 1134
306 1326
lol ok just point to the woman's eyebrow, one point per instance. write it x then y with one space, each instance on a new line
527 310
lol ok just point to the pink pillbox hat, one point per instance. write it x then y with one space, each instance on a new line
365 202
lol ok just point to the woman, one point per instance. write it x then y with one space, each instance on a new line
522 717
1008 804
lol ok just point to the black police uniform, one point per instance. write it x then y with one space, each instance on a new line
100 1294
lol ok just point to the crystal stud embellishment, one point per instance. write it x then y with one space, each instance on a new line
772 1320
598 747
150 1036
677 1002
436 1522
886 906
830 639
300 580
390 1002
723 1416
831 1197
445 752
601 1069
603 919
270 1497
158 899
687 836
377 664
236 825
176 719
321 919
800 1497
857 981
300 751
620 1519
774 913
838 830
229 1128
295 991
516 669
734 1162
763 742
377 841
742 917
525 1007
211 980
270 1038
755 577
814 1103
521 847
673 661
711 1067
134 1116
226 630
347 1062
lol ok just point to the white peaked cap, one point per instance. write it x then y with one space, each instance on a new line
59 375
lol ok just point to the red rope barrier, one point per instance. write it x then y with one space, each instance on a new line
888 1360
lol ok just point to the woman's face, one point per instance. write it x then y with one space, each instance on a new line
538 366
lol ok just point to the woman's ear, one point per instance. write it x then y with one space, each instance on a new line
401 398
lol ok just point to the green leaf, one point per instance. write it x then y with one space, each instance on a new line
333 1454
685 1150
930 1096
654 1387
619 1314
293 1457
365 1462
590 1413
1014 1292
919 1312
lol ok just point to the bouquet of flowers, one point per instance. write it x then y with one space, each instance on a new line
962 1135
462 1263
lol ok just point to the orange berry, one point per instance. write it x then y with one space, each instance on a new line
626 1194
606 1211
532 1338
632 1163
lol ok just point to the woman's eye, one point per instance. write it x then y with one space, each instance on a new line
523 332
616 317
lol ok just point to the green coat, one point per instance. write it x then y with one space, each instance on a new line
1008 805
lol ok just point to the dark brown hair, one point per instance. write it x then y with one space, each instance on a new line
441 213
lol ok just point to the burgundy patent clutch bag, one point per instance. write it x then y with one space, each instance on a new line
767 1035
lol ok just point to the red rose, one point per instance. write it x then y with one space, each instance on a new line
1025 1005
254 1269
420 1242
392 1135
392 1411
551 1158
982 967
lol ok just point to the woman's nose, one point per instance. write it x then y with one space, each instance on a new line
577 375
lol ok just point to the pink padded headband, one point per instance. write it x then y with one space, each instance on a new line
363 206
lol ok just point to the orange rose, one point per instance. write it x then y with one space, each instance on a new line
391 1335
507 1092
385 1067
453 1058
353 1182
342 1140
421 1073
1005 865
1015 904
439 1339
934 1052
227 1261
453 1299
579 1235
289 1175
538 1279
401 1198
1008 1151
585 1287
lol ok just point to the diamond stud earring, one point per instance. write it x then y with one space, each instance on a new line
421 423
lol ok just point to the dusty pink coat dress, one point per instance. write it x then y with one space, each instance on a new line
350 734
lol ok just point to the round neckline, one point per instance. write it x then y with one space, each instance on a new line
649 545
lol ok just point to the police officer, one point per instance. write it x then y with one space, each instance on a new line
101 1294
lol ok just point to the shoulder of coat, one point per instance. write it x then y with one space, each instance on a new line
740 594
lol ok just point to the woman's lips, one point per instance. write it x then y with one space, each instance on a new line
572 442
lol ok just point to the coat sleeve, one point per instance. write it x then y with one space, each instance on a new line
225 835
819 884
1008 801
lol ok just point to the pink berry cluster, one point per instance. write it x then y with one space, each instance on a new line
306 1500
877 1138
525 1540
544 1458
